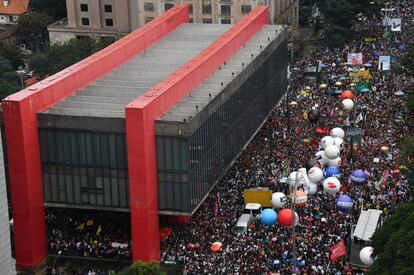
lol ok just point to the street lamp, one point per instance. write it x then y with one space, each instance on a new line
57 257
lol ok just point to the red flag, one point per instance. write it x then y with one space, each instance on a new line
216 211
385 177
337 250
394 198
355 61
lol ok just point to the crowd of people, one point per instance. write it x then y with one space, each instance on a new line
278 146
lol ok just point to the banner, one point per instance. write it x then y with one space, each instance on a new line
363 74
384 63
370 39
354 58
395 24
337 250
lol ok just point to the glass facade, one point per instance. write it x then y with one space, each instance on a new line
84 168
219 140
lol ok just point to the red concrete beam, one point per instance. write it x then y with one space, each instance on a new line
141 114
22 141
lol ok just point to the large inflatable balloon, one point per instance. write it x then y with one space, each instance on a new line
347 94
348 104
365 255
337 132
268 217
327 140
358 177
331 151
296 178
339 142
313 188
331 185
286 217
278 200
314 115
315 174
344 203
323 160
302 171
333 172
301 198
334 162
311 163
296 220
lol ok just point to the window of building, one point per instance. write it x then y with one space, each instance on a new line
206 8
148 19
108 8
84 7
225 10
149 6
190 8
225 21
207 20
246 9
109 22
168 6
85 21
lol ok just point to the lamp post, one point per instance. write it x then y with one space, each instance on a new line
20 72
57 257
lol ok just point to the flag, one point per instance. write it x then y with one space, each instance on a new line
385 177
337 250
359 118
99 230
355 61
81 226
394 198
89 222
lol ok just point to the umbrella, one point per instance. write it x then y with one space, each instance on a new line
341 78
215 247
367 65
364 90
307 88
352 84
306 140
304 93
338 83
322 65
384 148
293 103
399 92
323 86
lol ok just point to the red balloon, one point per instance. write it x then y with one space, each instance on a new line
347 95
285 217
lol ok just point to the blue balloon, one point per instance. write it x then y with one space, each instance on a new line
333 172
358 177
344 203
268 217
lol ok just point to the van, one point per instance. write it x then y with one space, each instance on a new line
243 223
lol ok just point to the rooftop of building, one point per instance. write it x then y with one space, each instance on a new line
108 96
13 7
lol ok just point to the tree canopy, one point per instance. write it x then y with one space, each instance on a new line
393 243
54 8
32 28
142 268
408 61
9 80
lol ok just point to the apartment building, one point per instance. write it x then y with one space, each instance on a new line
119 17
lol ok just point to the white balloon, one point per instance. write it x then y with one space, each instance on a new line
331 152
320 156
296 176
348 104
337 132
339 142
331 185
313 188
278 199
315 174
327 140
306 180
334 162
365 255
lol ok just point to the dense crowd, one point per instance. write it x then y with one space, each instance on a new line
276 147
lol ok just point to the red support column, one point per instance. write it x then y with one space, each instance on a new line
140 116
26 188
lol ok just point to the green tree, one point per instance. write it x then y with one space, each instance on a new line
393 244
13 54
32 28
54 8
9 80
61 56
142 268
